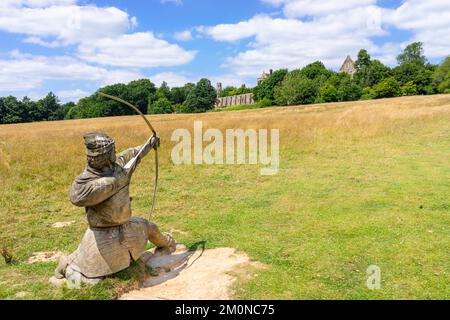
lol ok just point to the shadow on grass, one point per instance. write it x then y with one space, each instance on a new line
194 247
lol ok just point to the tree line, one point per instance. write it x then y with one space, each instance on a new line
312 84
413 75
191 98
49 108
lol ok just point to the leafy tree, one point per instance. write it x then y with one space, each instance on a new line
444 87
413 53
15 111
441 76
423 80
387 88
266 89
163 91
228 91
370 72
136 92
139 92
409 89
346 88
363 60
328 93
99 106
43 109
61 112
50 107
2 111
242 90
367 94
349 89
161 106
28 106
188 87
73 113
177 95
93 107
316 70
180 108
263 103
420 75
302 86
202 98
406 72
296 89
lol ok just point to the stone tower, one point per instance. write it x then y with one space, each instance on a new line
219 88
264 76
348 67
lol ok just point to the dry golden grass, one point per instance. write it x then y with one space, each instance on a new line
352 175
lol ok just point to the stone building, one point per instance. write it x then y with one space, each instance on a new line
348 67
264 76
231 101
238 100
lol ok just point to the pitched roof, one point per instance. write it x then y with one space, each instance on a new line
347 60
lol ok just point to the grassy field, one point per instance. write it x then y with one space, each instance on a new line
362 183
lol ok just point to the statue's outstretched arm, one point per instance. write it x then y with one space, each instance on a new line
96 191
132 157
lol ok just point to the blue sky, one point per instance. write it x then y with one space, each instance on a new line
73 47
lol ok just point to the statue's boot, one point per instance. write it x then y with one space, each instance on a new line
60 272
68 272
169 247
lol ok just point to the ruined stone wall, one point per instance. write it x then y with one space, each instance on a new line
231 101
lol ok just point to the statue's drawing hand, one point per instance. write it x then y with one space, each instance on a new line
153 143
158 142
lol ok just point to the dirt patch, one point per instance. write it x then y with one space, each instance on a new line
176 231
58 225
44 257
22 294
199 275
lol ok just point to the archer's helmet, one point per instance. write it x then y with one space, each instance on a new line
98 143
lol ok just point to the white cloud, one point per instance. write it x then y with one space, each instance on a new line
71 95
172 79
183 35
23 72
301 8
137 50
100 33
176 2
101 46
329 30
230 79
34 3
428 20
292 43
43 43
68 24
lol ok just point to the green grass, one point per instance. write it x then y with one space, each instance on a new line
369 190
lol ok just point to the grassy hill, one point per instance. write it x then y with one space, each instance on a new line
361 183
